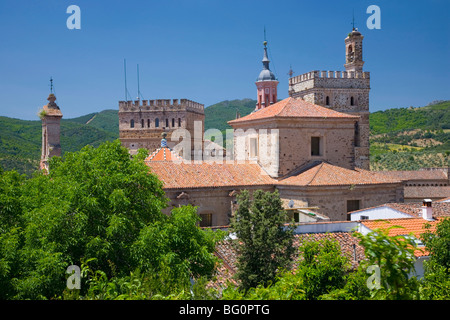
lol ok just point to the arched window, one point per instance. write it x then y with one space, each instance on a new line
132 123
327 101
179 122
148 123
156 122
352 101
167 123
173 122
142 123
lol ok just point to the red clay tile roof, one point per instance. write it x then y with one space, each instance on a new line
177 175
416 226
440 209
414 209
325 174
296 108
163 154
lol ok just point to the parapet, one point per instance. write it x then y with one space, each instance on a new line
138 105
329 75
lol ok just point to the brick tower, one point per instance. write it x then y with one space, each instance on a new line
344 91
266 84
51 116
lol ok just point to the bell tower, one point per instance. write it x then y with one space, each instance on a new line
353 51
50 115
266 84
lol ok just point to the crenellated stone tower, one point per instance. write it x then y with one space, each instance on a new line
142 122
51 116
344 91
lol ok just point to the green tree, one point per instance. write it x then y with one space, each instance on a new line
322 267
436 281
321 270
101 208
264 245
394 255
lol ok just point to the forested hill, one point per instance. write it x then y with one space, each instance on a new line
20 140
435 116
217 115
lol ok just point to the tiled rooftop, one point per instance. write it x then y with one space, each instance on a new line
163 154
414 209
294 108
328 174
403 227
209 174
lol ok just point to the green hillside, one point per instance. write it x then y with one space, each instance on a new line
432 117
20 140
410 138
217 115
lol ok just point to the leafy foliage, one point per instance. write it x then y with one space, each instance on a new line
394 255
265 244
100 209
436 282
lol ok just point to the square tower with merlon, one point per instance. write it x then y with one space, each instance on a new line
343 91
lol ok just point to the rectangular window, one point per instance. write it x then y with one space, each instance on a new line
357 138
253 147
179 122
353 205
167 123
315 146
206 220
364 217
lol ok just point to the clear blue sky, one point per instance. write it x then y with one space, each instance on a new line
211 50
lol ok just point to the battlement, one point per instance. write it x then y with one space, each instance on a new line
329 75
158 104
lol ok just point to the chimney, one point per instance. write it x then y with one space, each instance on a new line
427 210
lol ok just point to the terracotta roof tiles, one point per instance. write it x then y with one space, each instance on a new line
327 174
293 108
180 175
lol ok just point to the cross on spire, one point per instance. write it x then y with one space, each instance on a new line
291 72
353 20
51 85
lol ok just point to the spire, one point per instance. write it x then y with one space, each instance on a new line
266 74
266 83
265 59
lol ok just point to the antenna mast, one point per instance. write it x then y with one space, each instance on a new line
125 75
139 91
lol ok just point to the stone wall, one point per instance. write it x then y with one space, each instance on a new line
220 202
332 201
292 148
